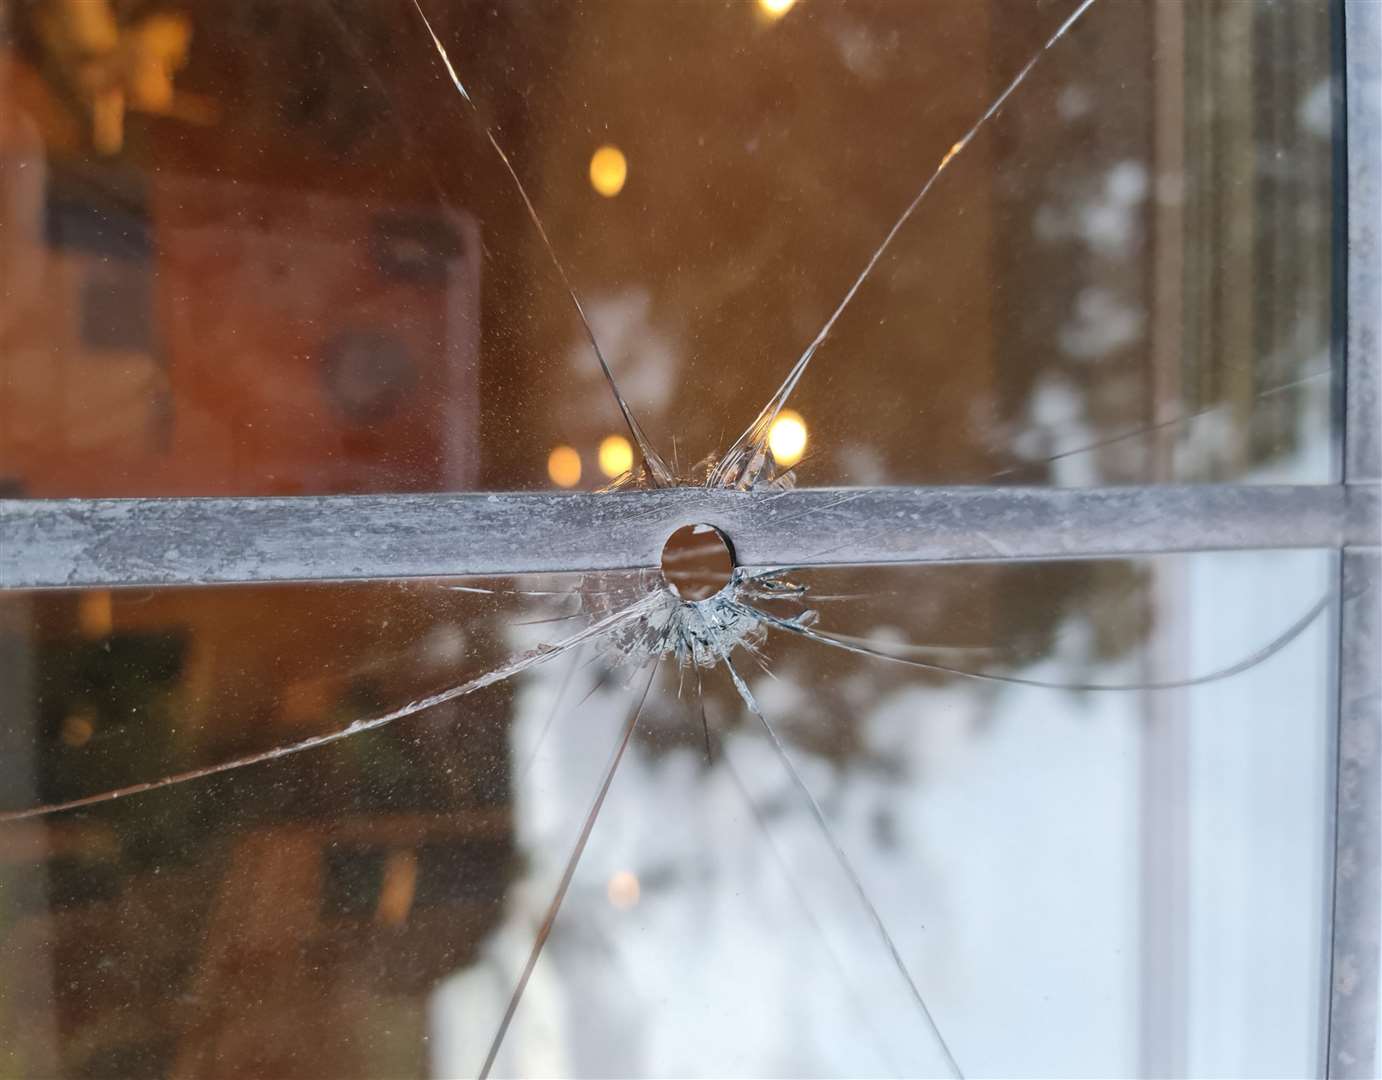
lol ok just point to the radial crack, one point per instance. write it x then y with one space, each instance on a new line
1148 429
658 472
519 664
743 463
1267 651
550 917
824 827
819 817
865 1016
552 714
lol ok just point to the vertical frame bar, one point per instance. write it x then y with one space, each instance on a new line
1355 1023
1357 924
1363 134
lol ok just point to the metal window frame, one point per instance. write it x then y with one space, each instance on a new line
161 542
123 542
1354 1025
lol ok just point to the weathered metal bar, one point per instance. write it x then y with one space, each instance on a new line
1355 1004
1363 295
1353 1041
118 542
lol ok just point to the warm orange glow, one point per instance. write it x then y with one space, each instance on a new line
397 889
95 614
78 727
609 169
623 890
564 467
616 456
787 437
775 9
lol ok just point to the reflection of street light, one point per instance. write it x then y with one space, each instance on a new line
608 171
398 888
616 456
775 9
95 613
787 437
564 467
623 890
78 727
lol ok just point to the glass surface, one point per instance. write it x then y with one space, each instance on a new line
1079 882
267 248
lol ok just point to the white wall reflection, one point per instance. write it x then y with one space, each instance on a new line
1005 845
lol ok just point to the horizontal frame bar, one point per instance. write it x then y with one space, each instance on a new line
127 542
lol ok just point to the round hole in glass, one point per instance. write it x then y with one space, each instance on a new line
697 561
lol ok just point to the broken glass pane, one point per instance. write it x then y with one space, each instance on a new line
271 249
578 825
1046 819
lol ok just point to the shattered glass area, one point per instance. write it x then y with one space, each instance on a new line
1046 819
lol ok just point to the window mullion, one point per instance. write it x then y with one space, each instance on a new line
105 543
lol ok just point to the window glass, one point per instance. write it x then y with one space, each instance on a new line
1075 881
270 249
